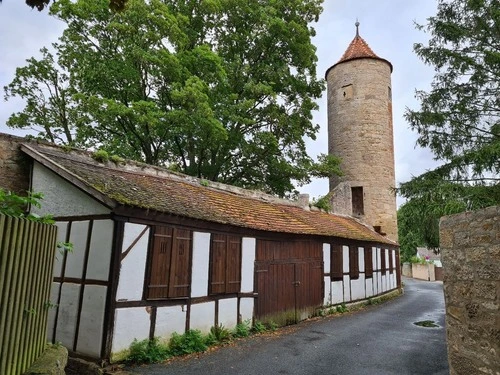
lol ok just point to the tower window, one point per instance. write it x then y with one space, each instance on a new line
389 93
358 208
346 92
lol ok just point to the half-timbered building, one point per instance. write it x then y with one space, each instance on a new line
157 252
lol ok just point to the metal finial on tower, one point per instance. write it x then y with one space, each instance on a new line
357 27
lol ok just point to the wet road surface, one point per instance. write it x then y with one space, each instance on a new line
381 339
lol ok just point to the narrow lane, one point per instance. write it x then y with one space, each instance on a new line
380 339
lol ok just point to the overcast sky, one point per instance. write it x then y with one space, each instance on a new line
386 25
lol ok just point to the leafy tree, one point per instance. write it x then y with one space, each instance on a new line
458 118
219 89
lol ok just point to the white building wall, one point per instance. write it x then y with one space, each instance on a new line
248 247
68 314
369 287
92 321
337 292
62 228
345 259
358 288
101 244
130 323
347 288
246 309
169 320
74 259
326 258
202 316
133 267
201 259
60 197
228 312
361 259
327 298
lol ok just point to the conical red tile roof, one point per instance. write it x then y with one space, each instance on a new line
358 49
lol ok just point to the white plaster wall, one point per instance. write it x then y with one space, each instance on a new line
62 227
133 267
393 280
246 309
201 259
379 282
68 310
74 259
326 258
92 320
361 259
101 245
345 258
202 316
61 198
51 318
337 292
369 287
384 283
130 323
327 298
374 258
228 312
247 264
358 288
347 288
169 320
379 252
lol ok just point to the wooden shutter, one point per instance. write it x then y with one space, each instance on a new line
337 271
233 264
225 264
391 263
368 262
353 262
179 280
217 264
160 263
382 260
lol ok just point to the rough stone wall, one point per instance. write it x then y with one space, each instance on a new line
14 165
470 252
360 132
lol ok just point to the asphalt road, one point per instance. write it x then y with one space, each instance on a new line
379 339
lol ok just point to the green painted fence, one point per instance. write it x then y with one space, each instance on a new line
27 251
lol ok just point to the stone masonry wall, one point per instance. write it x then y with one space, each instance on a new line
360 132
14 165
470 252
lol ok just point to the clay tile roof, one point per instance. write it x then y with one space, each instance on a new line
358 49
138 185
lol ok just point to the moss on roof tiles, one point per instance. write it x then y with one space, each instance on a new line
137 185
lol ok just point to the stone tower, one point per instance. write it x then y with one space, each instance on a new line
360 132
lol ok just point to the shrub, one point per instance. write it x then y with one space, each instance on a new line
190 342
148 351
242 329
259 327
218 335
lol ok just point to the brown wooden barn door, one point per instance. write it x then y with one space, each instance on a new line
289 281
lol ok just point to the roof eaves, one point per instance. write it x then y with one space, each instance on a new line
67 175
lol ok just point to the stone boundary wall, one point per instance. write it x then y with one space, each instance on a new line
470 252
14 165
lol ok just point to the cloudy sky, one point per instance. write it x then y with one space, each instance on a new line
386 25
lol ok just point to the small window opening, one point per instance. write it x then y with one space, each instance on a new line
347 92
358 208
389 93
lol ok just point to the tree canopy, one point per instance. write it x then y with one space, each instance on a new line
219 89
458 119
